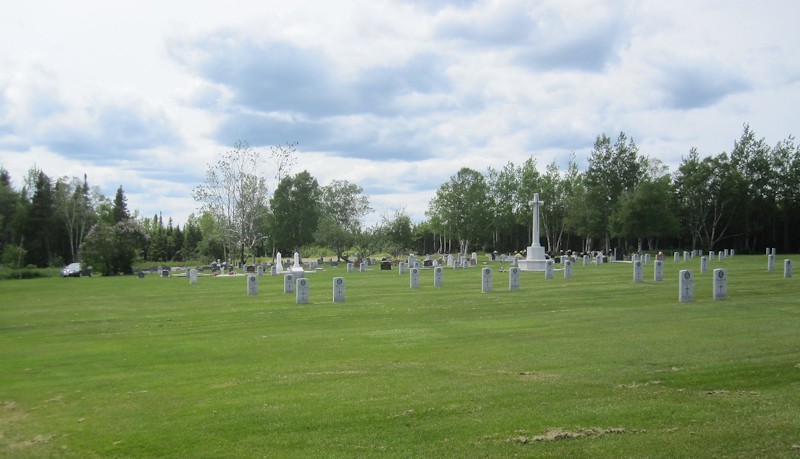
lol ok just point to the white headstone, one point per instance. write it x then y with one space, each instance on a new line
450 260
599 259
516 263
787 268
733 252
635 257
720 284
288 283
567 269
686 286
302 291
401 268
418 264
259 270
647 258
658 271
273 270
192 276
349 268
686 257
774 251
768 250
362 267
727 253
700 252
414 277
703 265
638 271
456 265
252 285
338 289
586 260
411 260
771 263
474 255
710 255
513 278
438 276
279 264
464 264
548 269
486 280
677 257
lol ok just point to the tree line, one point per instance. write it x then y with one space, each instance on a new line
746 200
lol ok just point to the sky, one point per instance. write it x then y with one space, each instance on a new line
395 96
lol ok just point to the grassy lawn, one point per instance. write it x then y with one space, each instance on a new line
95 367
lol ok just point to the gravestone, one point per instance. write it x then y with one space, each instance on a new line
362 268
513 278
349 268
338 289
727 253
193 276
456 265
141 274
647 259
658 271
260 271
703 265
414 277
302 294
721 256
401 268
252 285
386 265
599 259
567 269
586 260
548 268
768 250
450 260
774 251
677 257
334 264
638 271
273 270
787 268
700 252
686 286
250 269
288 283
720 284
771 263
464 264
486 280
165 273
635 257
694 254
438 276
710 255
428 263
411 260
516 263
733 252
685 257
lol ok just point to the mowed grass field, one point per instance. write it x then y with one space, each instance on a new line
593 366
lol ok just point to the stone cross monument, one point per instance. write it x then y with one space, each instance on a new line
535 260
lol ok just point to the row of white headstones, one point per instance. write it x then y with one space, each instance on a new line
298 284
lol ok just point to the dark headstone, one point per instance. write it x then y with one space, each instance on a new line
386 266
334 264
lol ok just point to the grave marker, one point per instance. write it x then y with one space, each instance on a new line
548 269
273 270
486 280
567 269
787 268
252 285
414 277
677 257
338 289
638 271
703 265
349 268
288 283
686 286
438 276
302 291
771 263
193 276
401 268
513 279
720 284
686 257
658 271
259 270
586 260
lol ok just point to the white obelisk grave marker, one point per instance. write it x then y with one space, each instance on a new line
535 260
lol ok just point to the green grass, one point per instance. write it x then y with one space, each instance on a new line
121 366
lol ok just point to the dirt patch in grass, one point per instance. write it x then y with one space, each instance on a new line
634 385
557 433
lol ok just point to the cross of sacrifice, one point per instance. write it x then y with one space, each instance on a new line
535 203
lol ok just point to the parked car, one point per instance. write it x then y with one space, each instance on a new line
73 270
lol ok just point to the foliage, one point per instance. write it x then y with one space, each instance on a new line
112 248
342 209
462 206
295 212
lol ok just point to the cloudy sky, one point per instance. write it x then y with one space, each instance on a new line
393 95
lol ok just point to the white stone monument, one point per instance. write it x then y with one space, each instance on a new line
252 285
586 260
193 276
273 270
685 257
302 291
288 283
259 270
464 264
677 257
658 271
638 271
338 289
647 258
513 278
703 265
486 280
362 267
774 251
787 268
686 286
721 256
401 268
771 263
567 269
349 268
438 276
279 264
710 255
414 277
720 284
535 260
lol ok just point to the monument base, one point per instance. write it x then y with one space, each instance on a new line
535 261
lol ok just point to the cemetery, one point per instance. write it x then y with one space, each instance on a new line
614 359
